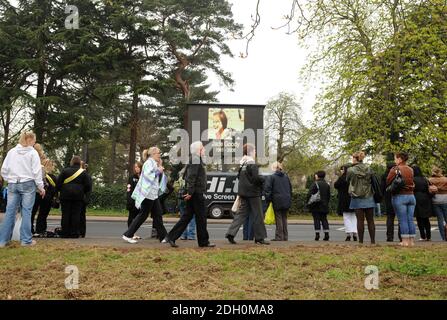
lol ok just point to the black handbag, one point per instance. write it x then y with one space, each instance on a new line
375 184
397 184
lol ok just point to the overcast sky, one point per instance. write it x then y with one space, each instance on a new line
273 62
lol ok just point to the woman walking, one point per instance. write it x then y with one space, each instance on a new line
344 200
249 191
146 195
320 209
403 198
439 181
23 171
278 191
424 208
131 184
362 198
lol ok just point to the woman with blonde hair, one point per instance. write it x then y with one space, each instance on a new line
23 172
47 202
146 196
38 147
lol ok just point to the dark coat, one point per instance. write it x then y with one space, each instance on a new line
278 190
131 184
195 177
424 207
344 199
74 190
325 192
250 183
50 191
387 195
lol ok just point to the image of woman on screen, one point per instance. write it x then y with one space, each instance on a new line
220 125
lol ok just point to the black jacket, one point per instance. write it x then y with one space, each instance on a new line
278 190
250 183
423 198
344 199
74 190
195 177
131 184
325 193
387 195
50 191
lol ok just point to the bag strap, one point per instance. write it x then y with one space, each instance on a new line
74 176
240 169
50 180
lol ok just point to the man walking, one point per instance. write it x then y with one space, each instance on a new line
195 179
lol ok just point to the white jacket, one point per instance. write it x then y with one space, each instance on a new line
22 164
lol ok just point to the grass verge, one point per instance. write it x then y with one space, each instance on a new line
296 272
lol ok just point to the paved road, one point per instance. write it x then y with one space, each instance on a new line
297 232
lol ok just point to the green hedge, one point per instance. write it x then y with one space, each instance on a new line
114 197
109 197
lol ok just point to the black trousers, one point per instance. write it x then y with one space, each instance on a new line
44 210
424 227
71 218
132 215
83 220
390 217
152 206
195 205
320 219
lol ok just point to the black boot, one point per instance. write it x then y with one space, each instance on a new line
230 239
354 237
317 236
326 236
348 238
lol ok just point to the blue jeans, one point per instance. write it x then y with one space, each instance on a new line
404 205
190 231
441 213
20 195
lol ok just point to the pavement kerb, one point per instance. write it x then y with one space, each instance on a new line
210 221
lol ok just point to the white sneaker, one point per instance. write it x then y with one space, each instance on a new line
130 240
33 243
164 240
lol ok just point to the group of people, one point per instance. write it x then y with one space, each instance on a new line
147 185
34 189
406 193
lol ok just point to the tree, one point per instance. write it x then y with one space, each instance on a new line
284 122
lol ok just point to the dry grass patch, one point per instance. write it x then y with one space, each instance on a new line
298 272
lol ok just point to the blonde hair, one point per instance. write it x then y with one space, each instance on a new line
276 165
25 136
48 166
359 156
436 171
39 149
152 150
145 154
